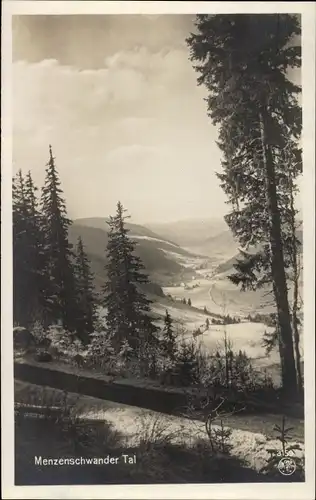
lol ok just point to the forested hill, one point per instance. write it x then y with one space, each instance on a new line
161 258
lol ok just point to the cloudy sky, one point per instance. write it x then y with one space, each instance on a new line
117 98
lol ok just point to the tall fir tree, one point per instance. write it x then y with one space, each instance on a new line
58 250
41 281
22 275
291 165
254 271
86 299
28 278
128 308
243 61
168 337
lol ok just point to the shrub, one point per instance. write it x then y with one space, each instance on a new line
232 369
125 360
241 369
220 439
285 450
40 334
43 356
60 340
76 353
166 370
126 352
100 352
153 440
154 430
186 363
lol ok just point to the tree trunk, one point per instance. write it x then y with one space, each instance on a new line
297 340
295 307
280 343
277 264
226 358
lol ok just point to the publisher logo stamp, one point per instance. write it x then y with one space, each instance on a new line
287 466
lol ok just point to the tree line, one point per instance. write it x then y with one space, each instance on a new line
243 61
53 282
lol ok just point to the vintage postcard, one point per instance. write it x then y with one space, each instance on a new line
158 178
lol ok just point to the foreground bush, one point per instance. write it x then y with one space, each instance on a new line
183 364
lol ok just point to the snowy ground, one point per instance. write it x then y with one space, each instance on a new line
151 238
245 336
200 295
220 296
189 318
132 421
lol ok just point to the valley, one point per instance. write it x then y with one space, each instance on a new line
179 274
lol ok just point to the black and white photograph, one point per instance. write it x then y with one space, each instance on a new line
159 330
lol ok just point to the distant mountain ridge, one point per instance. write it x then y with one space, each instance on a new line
228 265
157 254
166 262
190 232
135 229
210 237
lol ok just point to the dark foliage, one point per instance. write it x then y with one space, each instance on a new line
243 61
128 309
86 298
62 296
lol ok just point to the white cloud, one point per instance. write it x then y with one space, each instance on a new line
46 92
168 65
141 116
57 100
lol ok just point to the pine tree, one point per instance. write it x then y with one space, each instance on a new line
189 302
27 275
168 337
41 282
58 250
21 269
243 62
128 309
291 164
100 350
186 367
207 324
86 300
253 271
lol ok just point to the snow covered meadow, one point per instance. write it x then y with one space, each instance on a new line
250 440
